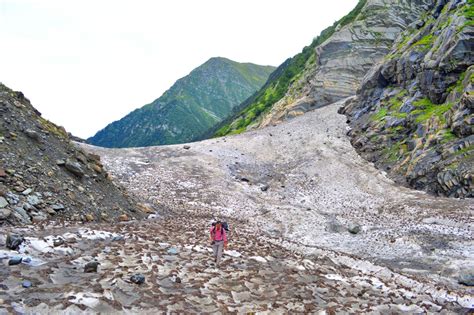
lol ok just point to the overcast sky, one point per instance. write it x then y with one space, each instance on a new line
84 64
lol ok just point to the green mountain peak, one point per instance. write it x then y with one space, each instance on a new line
195 104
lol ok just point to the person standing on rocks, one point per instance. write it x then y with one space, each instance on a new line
218 240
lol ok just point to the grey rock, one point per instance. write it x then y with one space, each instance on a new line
407 107
58 207
34 200
21 215
172 251
75 168
15 261
186 147
354 228
14 241
91 266
60 162
137 278
26 284
467 278
27 191
5 213
264 187
32 134
58 242
12 198
3 202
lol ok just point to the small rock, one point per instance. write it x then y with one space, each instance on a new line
97 168
27 191
89 217
58 242
186 147
34 200
91 266
60 162
32 134
118 238
354 228
172 251
137 278
177 280
264 187
2 173
14 241
145 208
3 202
26 284
467 278
15 261
123 217
75 168
57 207
5 213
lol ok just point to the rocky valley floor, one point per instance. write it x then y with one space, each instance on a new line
314 228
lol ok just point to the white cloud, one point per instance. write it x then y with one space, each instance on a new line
84 64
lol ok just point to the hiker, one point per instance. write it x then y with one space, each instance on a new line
218 240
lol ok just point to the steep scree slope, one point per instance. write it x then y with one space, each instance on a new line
414 113
192 106
332 67
44 176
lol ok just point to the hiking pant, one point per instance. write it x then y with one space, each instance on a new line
217 248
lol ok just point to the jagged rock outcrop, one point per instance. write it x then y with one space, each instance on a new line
343 60
336 65
413 115
43 175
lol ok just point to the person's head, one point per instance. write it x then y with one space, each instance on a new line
218 225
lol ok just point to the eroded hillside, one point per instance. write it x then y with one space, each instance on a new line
44 176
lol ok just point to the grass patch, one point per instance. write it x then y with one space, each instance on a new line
425 42
380 115
426 109
464 150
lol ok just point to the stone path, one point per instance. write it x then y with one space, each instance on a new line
256 275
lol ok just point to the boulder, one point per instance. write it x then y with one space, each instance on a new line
32 134
354 228
3 202
75 168
137 278
57 207
91 266
15 261
5 213
14 241
467 278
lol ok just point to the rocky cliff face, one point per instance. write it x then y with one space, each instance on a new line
44 176
336 65
413 115
192 106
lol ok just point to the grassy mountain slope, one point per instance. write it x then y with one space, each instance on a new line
277 86
192 106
